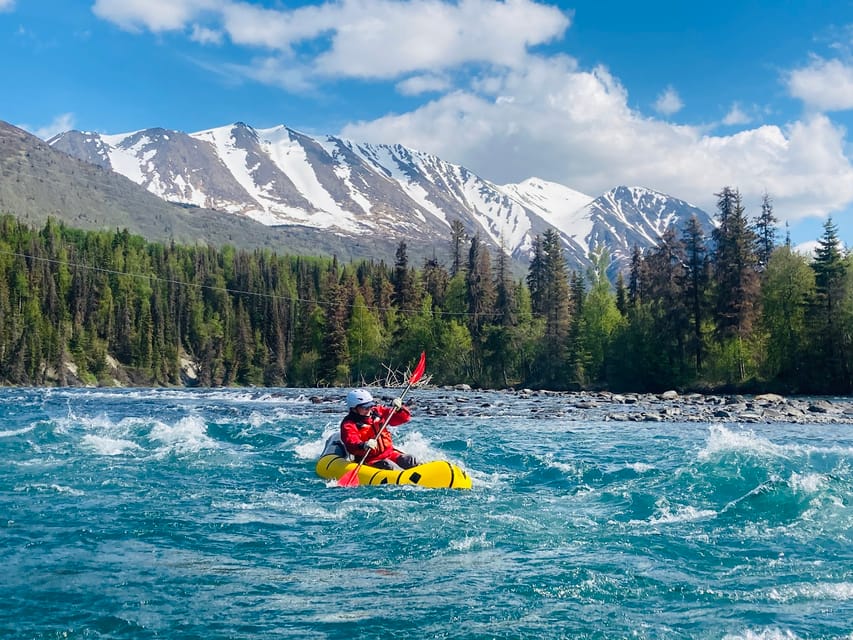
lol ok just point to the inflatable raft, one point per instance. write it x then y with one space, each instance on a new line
438 474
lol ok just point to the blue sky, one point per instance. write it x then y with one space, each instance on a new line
684 97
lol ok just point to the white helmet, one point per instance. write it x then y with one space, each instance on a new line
358 397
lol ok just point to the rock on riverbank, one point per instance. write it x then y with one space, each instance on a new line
640 407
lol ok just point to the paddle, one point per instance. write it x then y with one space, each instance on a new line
350 478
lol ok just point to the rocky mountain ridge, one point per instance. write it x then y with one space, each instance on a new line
358 191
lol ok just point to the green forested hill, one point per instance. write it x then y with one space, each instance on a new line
108 307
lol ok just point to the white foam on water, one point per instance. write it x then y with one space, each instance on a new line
57 488
840 591
312 449
771 633
570 468
258 419
470 543
277 507
99 422
109 446
187 435
640 467
16 432
808 482
666 514
418 445
683 513
722 439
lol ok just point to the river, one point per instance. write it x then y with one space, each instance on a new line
174 513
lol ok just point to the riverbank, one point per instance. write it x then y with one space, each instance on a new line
669 406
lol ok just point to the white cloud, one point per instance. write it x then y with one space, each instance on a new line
826 85
417 85
553 121
669 102
203 35
7 5
429 35
736 116
276 72
61 123
807 249
363 38
155 15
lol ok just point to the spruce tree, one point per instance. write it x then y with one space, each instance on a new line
537 278
696 281
736 278
550 276
831 333
765 231
435 281
635 284
404 286
480 287
335 357
667 304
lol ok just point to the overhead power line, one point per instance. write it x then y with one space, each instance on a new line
228 290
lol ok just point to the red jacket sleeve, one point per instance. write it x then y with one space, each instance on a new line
400 417
350 437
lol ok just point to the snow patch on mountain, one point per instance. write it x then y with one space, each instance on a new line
558 205
126 160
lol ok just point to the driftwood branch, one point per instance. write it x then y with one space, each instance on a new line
394 378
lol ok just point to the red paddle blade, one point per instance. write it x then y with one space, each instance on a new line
349 479
419 370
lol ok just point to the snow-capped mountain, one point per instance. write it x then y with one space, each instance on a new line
279 176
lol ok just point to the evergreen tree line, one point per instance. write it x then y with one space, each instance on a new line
730 310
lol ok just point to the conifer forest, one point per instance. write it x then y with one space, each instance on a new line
736 309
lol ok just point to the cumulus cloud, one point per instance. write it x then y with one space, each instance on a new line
826 85
435 35
669 102
575 127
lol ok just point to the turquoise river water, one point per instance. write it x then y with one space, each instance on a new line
173 514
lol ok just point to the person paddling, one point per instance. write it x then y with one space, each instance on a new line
360 431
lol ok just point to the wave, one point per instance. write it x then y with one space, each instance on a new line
809 592
105 446
187 435
665 513
16 432
748 476
722 440
52 488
